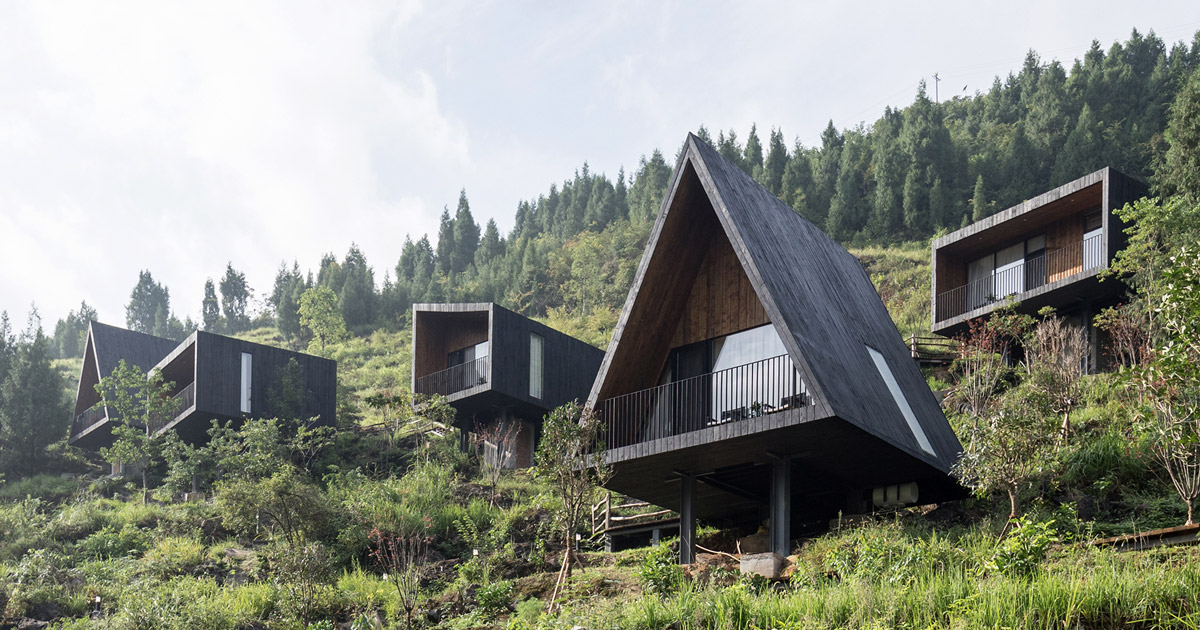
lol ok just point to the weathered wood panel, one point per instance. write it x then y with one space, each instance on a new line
721 301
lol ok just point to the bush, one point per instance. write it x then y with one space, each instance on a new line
110 542
660 573
1023 551
495 598
173 556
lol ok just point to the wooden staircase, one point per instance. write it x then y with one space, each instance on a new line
627 518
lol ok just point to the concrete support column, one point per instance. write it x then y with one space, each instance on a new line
781 507
687 520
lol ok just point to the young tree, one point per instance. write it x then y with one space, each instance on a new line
571 457
34 412
1006 446
320 314
1055 357
1168 415
139 404
400 555
494 444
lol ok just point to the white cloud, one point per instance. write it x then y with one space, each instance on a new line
145 136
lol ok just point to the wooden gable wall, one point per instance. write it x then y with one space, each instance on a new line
722 300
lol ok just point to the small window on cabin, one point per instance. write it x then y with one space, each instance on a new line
901 401
537 366
247 369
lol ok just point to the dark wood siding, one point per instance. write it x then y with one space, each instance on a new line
219 374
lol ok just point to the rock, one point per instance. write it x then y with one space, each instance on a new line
759 542
768 565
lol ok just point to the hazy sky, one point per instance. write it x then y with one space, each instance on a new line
145 136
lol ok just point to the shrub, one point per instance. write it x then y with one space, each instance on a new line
110 542
659 572
173 556
495 598
1023 551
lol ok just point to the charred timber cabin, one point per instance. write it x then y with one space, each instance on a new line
754 371
214 378
1046 251
495 366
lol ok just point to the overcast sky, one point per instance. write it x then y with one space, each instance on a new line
145 136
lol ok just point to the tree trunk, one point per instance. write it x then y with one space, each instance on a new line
1066 425
1190 512
1012 503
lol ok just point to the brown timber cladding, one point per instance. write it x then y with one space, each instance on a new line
722 300
444 334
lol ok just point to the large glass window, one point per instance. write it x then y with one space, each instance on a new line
468 354
741 375
537 366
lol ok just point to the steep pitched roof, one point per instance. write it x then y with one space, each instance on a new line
815 293
113 344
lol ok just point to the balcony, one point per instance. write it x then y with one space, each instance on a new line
1026 275
455 379
182 402
718 398
91 417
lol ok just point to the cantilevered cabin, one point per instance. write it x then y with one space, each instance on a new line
1045 251
494 365
214 378
754 371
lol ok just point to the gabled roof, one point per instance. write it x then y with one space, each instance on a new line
106 346
815 293
111 344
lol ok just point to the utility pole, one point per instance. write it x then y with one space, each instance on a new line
936 81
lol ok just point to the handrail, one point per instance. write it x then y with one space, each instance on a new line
1027 275
89 418
730 395
455 379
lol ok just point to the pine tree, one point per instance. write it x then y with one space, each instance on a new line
980 208
1179 170
444 258
146 301
210 309
776 163
492 246
357 298
466 235
752 155
235 300
34 413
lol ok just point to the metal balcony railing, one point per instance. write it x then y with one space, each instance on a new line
455 379
91 417
732 395
1027 275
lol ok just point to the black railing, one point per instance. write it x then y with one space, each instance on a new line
455 379
1027 275
731 395
91 417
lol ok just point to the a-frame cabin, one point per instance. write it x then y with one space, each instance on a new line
754 371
